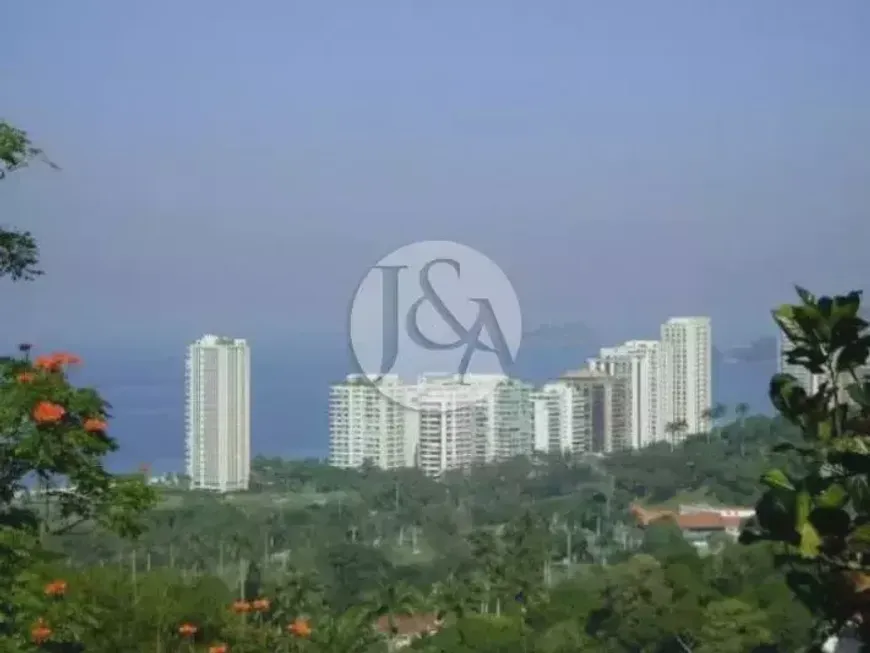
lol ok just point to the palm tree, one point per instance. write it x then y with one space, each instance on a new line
671 430
394 600
682 427
486 551
742 410
269 539
452 597
676 430
349 632
707 417
297 594
241 547
720 410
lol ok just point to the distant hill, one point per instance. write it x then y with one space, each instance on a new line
761 350
548 351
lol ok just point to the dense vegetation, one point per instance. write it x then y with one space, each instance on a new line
533 555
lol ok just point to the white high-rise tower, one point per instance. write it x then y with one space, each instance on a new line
687 369
366 423
638 361
218 443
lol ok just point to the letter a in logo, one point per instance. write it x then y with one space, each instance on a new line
434 308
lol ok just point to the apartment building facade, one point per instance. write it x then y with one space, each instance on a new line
560 420
445 426
218 414
503 421
686 359
439 423
607 401
638 362
366 423
583 412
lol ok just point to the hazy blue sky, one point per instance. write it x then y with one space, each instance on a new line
236 166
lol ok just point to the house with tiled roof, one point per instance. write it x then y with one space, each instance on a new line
406 628
698 523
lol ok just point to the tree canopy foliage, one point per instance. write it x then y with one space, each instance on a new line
52 435
19 252
818 514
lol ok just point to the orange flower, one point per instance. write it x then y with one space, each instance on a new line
56 588
261 605
40 632
48 413
241 607
187 630
95 425
218 648
26 377
45 363
300 628
56 362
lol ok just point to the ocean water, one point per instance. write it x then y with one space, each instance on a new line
289 393
289 398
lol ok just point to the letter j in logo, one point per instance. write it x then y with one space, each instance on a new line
435 308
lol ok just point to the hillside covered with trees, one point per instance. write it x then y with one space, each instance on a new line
537 553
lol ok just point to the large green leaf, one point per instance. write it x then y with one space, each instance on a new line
806 296
847 305
861 535
810 540
776 478
803 506
784 317
836 496
852 353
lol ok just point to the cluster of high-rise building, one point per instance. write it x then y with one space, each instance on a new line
629 396
441 422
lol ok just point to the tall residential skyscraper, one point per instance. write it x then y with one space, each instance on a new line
218 443
606 399
445 425
583 412
637 361
367 424
560 420
687 366
503 421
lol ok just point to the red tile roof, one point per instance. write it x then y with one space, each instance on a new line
409 625
697 521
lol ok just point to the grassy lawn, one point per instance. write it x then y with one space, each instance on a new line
174 499
288 499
